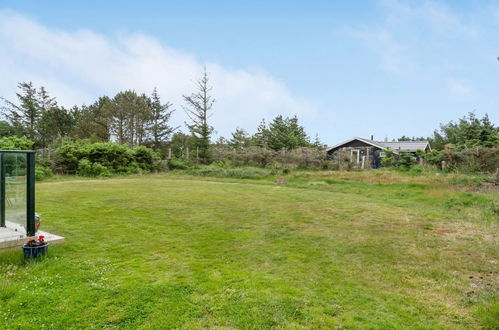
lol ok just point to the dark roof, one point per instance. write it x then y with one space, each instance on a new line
405 146
408 146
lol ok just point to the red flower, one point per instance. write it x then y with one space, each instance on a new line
41 237
31 240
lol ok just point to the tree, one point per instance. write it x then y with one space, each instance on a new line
286 133
318 143
240 139
180 143
93 121
469 131
198 107
160 129
130 113
24 116
261 137
55 122
6 129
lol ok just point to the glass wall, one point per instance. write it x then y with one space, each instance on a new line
17 189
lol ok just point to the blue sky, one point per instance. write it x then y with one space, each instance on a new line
346 69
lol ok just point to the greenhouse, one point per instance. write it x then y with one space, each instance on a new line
17 198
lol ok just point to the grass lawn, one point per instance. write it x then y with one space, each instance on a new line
312 250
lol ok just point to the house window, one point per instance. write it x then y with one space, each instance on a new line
382 154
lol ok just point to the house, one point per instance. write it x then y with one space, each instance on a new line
365 153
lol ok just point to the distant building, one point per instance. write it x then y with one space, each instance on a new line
365 153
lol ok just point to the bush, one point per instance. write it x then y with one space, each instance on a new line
178 164
87 168
146 158
15 143
416 169
103 159
42 172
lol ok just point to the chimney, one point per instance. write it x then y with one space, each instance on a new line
372 137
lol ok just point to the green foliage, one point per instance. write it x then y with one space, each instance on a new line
42 172
198 108
178 164
15 143
403 160
416 169
469 131
37 116
145 158
282 133
180 143
87 168
240 139
6 129
435 157
159 127
104 158
238 172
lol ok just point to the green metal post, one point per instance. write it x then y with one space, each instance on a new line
2 191
30 180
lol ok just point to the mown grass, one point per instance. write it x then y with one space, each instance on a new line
305 250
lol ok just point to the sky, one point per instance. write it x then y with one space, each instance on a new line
346 68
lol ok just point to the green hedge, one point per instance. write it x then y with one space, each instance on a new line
104 159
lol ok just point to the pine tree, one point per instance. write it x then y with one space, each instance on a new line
261 136
198 107
24 116
240 139
160 129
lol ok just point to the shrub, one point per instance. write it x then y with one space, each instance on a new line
87 168
145 158
81 157
178 164
42 172
416 169
15 143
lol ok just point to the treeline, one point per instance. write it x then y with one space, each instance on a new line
113 135
134 119
470 144
127 118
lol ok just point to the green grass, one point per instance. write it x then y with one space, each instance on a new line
306 250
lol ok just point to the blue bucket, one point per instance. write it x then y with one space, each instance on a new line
35 251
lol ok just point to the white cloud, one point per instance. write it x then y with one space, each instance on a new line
79 66
407 30
392 55
460 89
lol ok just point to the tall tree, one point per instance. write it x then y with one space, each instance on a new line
6 129
198 107
240 139
93 121
130 112
286 133
55 122
159 128
24 116
261 137
469 131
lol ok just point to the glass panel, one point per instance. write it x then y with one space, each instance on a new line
15 188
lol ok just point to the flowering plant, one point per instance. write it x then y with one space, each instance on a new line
32 241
